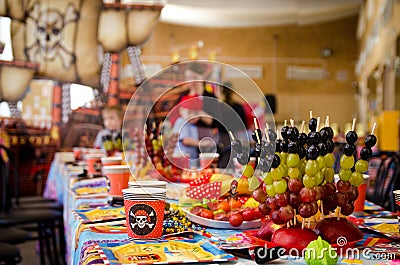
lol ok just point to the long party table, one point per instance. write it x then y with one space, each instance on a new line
90 239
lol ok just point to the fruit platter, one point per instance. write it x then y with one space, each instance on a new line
294 197
296 186
221 201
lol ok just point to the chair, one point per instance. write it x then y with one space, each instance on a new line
9 254
387 180
46 221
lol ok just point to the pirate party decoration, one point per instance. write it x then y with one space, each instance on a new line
64 36
142 219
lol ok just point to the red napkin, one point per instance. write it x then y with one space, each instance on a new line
207 191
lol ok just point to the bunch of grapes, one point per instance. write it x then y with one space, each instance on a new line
299 177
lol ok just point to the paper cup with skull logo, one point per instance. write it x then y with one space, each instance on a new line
144 209
118 178
148 184
93 163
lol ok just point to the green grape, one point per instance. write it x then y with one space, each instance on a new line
270 190
268 178
302 167
280 186
361 166
312 167
329 174
284 169
344 174
309 181
276 173
319 177
284 157
346 162
293 160
321 162
356 179
329 160
294 172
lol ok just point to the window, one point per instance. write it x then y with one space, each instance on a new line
80 95
5 38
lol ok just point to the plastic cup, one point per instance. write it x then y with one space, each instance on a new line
207 159
118 177
93 163
144 208
360 201
111 160
396 194
180 161
148 184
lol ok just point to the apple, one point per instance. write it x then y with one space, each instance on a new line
266 230
294 236
330 229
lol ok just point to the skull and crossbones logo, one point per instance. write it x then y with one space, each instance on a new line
142 219
49 25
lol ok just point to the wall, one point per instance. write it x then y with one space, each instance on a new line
274 49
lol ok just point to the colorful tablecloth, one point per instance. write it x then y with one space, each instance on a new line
96 231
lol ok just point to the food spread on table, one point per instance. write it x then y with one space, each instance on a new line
285 199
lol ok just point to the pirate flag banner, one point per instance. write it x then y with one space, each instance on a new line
61 36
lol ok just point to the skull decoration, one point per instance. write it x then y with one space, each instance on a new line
50 24
142 219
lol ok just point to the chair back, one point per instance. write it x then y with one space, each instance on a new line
6 167
387 180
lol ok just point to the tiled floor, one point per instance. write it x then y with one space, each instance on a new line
30 253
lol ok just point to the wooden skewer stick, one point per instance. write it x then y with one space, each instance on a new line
373 128
354 124
256 125
266 135
231 135
322 210
318 121
285 123
302 126
309 223
295 219
310 114
302 224
338 212
292 122
288 224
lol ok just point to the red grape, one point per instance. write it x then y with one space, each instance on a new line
264 208
259 195
271 203
286 213
352 194
276 218
307 195
347 209
306 210
294 200
319 192
282 199
329 203
343 186
341 199
295 185
330 188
